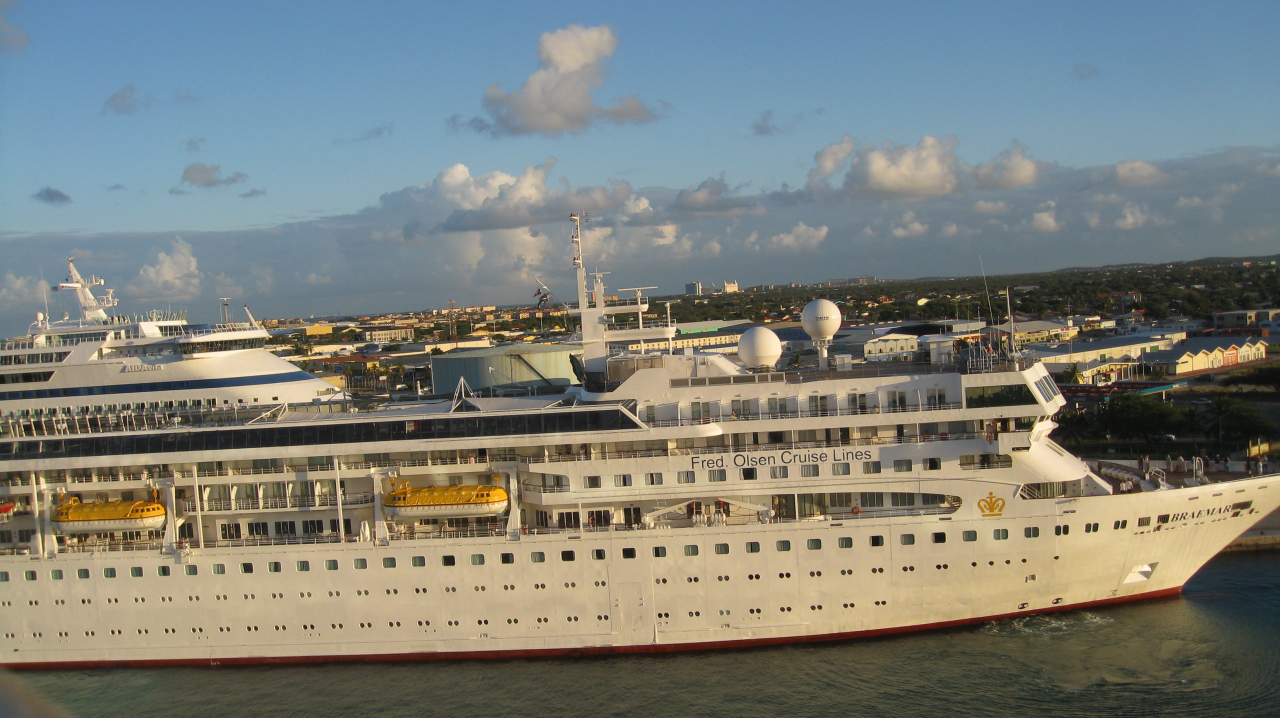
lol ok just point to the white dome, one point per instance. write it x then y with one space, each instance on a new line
820 319
759 347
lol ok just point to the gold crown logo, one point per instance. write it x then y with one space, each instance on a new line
991 506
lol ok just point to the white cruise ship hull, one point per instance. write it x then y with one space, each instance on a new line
412 513
614 604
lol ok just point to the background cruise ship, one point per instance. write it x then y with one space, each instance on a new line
104 364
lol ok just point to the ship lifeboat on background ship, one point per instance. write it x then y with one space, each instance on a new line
73 517
407 504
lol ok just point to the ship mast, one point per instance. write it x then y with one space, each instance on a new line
92 308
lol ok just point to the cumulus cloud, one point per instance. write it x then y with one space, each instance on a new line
929 169
1189 202
126 101
1274 171
175 276
52 196
991 207
1084 71
1136 173
252 193
950 229
1009 170
500 201
384 130
1135 215
829 159
1110 198
1046 221
22 290
12 39
556 99
909 226
199 174
801 237
711 198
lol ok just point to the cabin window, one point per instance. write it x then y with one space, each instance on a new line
777 472
809 470
628 553
871 467
505 558
653 479
565 556
273 567
691 549
1000 534
871 500
685 477
902 465
4 576
303 566
783 545
659 551
56 574
622 479
1144 521
389 562
1061 530
160 571
722 548
218 569
31 575
246 567
1124 524
258 528
934 464
84 572
418 561
902 499
1031 532
753 547
361 563
597 554
932 499
840 469
286 528
749 474
969 536
813 544
331 564
907 539
135 571
535 557
877 540
591 482
939 537
451 561
230 532
1162 519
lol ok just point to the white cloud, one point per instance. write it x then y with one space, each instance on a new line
556 99
926 170
1134 216
22 290
1046 221
314 278
1009 170
1189 202
1111 198
983 206
909 226
949 230
199 174
828 159
801 236
1093 219
173 277
1136 173
711 198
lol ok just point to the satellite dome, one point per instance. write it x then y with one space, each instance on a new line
759 347
820 319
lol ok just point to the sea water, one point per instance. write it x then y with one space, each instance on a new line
1215 651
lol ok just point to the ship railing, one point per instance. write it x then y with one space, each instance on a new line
275 502
248 504
879 513
272 541
303 501
357 499
806 414
416 533
217 505
205 473
258 470
94 546
541 489
379 464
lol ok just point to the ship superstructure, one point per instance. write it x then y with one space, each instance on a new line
671 501
102 365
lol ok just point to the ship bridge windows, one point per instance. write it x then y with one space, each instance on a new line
981 397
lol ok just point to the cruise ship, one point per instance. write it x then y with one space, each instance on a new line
105 365
669 501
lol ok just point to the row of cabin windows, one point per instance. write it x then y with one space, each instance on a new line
478 559
259 529
775 472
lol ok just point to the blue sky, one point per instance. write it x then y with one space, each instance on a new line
336 131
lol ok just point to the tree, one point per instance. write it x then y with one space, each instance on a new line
1072 375
1268 376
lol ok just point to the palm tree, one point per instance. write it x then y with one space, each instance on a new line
1072 375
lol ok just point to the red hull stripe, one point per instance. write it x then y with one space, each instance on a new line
574 652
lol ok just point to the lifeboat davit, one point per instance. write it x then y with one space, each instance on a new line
407 504
73 517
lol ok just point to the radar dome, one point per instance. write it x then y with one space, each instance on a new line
820 319
759 347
